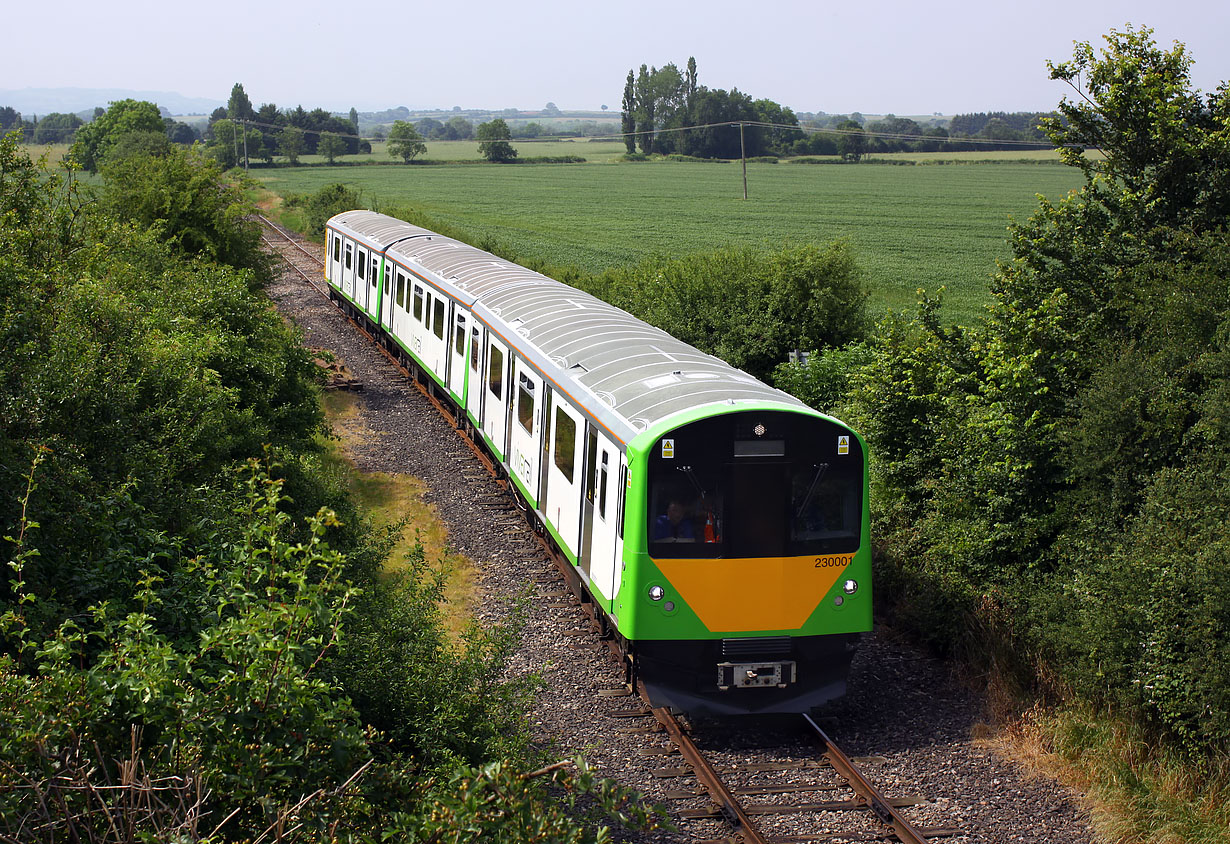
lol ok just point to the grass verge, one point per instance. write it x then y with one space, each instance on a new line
1135 789
392 498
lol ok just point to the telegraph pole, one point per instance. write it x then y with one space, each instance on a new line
743 158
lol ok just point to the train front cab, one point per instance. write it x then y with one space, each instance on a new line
754 581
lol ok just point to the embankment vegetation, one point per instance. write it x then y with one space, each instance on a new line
196 639
1052 483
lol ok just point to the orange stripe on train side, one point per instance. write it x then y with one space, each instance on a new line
760 593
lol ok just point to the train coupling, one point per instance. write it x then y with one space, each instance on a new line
751 675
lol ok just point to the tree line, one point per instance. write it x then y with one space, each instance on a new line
667 111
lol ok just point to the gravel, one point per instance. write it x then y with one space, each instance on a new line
903 708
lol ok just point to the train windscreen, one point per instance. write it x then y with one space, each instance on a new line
755 484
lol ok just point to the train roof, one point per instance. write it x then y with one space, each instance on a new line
379 230
638 371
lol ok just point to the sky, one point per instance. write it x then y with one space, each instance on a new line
905 58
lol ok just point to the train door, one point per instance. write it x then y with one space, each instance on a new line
495 397
474 381
347 285
394 280
373 286
457 357
359 292
335 259
439 337
526 429
601 507
565 475
587 500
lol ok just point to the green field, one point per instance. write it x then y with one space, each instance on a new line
911 226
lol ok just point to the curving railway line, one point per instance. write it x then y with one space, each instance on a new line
721 790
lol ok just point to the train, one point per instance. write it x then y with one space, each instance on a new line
719 527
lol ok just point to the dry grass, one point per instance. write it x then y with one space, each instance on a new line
1134 789
391 498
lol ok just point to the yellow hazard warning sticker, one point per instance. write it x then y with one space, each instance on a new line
843 444
668 449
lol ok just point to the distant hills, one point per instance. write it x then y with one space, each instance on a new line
43 101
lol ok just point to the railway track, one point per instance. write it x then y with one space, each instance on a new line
840 799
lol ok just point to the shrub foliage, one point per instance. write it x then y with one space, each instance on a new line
1052 482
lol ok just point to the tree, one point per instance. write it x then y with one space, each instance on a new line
493 138
627 118
1161 142
290 144
94 140
458 129
430 128
224 144
852 142
181 133
405 142
185 194
645 109
354 119
331 145
10 119
56 128
239 107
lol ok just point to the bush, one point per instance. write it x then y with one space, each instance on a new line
319 207
747 307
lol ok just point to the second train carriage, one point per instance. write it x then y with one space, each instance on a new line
719 524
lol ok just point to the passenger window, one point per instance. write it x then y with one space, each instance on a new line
602 489
418 303
565 443
525 403
474 334
362 263
375 271
591 464
401 291
437 318
347 256
459 336
495 372
337 248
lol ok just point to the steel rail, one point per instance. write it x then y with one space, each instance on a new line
731 809
883 809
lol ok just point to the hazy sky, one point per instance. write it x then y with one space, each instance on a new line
912 57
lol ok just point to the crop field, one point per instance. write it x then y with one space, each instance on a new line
910 226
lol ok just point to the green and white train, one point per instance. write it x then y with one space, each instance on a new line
719 525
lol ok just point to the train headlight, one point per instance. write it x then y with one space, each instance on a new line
850 586
656 592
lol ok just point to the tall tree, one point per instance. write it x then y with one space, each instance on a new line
645 105
493 138
354 119
239 107
627 121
